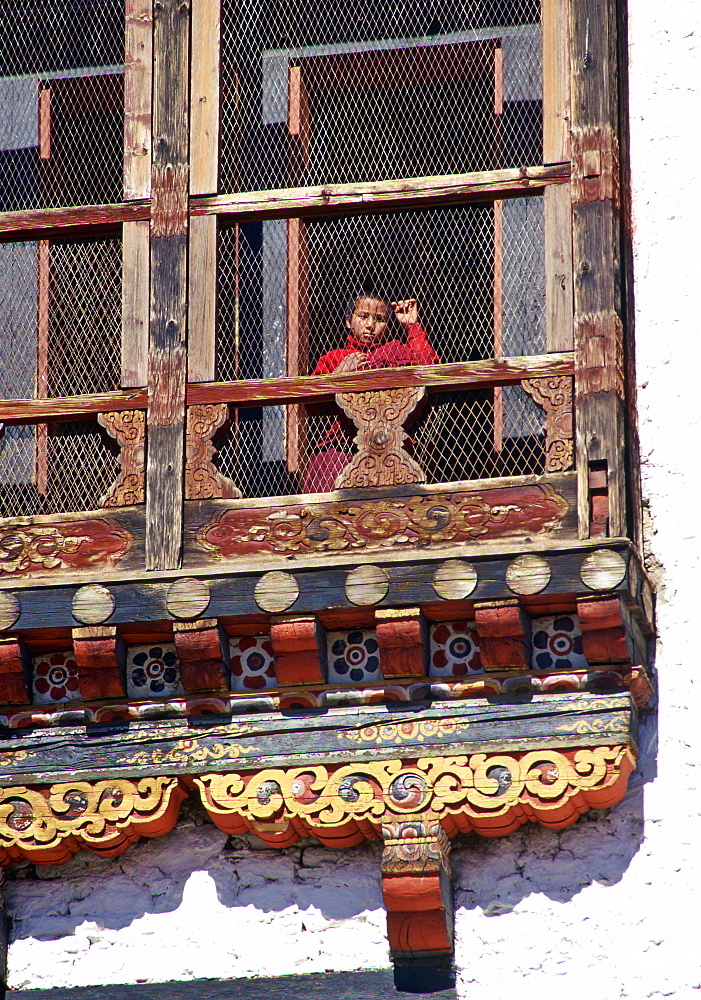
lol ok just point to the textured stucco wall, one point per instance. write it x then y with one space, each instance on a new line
608 909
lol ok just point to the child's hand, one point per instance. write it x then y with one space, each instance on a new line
351 363
406 311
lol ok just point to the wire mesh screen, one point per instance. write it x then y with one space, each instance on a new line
50 468
476 434
61 103
288 288
60 317
366 91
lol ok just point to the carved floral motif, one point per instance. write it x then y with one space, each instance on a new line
554 395
61 545
128 428
377 524
379 415
203 481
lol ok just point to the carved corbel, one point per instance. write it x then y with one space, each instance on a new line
379 416
402 635
609 632
128 428
554 396
504 631
299 644
100 654
203 481
203 652
13 671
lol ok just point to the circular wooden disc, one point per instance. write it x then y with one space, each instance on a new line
528 574
9 609
276 591
455 579
603 570
187 599
93 604
367 585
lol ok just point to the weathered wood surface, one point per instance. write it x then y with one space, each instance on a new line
402 635
599 389
310 589
504 631
299 644
135 303
554 395
137 99
556 80
381 459
42 221
559 305
421 190
128 428
375 520
169 249
362 733
204 89
202 300
466 374
203 480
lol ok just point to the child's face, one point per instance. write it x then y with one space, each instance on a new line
368 322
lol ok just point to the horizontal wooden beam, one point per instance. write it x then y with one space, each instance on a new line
45 219
261 392
386 194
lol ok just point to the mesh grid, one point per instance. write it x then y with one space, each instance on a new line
368 91
61 103
283 450
477 272
50 468
60 317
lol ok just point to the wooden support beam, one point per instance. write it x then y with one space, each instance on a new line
202 300
100 653
204 106
504 631
340 198
598 331
203 651
299 644
43 222
416 888
137 99
402 635
168 334
14 671
463 375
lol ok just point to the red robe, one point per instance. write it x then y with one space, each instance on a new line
334 451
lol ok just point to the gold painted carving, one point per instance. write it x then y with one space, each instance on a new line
379 416
128 428
379 524
49 825
492 794
203 481
554 395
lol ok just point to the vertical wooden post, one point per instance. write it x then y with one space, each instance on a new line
204 82
556 149
297 337
202 299
598 330
498 284
167 361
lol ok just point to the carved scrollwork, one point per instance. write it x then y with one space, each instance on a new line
381 459
554 395
203 481
128 428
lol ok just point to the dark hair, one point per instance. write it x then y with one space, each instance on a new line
364 294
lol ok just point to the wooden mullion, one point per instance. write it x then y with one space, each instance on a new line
598 329
42 378
339 198
167 367
135 303
138 65
204 106
202 299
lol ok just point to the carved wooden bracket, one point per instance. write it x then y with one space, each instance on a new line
379 416
128 428
203 652
203 481
100 654
554 395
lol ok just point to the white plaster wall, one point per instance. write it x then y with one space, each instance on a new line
607 910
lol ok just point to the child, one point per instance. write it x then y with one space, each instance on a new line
366 347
